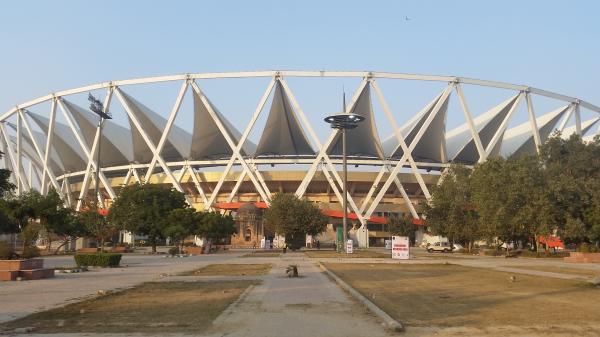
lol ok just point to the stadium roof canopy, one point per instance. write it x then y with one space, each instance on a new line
63 149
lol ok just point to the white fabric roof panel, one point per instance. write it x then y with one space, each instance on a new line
519 140
432 145
392 147
54 159
585 127
459 141
283 135
207 140
65 144
177 145
29 149
362 141
116 147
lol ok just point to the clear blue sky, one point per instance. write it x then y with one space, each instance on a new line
52 45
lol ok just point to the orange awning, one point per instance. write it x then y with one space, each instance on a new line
551 241
330 213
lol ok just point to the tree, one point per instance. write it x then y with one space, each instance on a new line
294 218
182 222
52 214
20 211
451 211
402 226
95 223
69 228
143 209
214 226
573 174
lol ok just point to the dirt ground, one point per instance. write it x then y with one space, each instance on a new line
230 270
474 301
356 254
262 254
563 270
166 307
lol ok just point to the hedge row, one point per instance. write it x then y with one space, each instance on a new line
98 259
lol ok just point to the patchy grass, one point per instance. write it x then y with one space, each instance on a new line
356 254
230 269
446 295
259 253
561 270
157 308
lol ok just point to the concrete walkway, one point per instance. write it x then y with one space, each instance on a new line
311 305
20 299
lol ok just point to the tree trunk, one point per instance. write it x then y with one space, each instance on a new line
62 245
102 245
153 242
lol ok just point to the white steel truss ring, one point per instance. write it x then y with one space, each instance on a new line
26 143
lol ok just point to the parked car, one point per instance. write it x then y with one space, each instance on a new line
457 247
443 247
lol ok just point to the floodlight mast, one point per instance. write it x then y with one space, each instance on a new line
98 108
344 121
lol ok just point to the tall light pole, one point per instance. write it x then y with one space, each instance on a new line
98 108
343 122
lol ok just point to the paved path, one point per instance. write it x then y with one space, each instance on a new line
311 305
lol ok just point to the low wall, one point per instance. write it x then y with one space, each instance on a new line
578 257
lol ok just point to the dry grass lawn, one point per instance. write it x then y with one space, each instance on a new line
562 270
356 254
230 269
444 295
161 307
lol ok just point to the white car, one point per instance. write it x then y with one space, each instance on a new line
457 247
443 247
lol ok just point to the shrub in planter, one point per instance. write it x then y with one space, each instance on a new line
30 252
173 250
98 260
544 254
6 251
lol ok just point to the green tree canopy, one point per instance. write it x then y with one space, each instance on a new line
181 223
294 218
215 226
143 209
401 226
451 211
573 174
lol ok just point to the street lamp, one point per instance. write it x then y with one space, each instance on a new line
98 108
343 122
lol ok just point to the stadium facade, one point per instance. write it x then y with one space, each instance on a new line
217 166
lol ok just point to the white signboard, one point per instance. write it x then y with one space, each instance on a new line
349 246
400 247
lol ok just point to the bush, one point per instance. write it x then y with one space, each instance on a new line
587 248
544 254
6 251
173 250
30 252
98 260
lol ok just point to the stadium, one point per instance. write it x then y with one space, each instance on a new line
188 132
